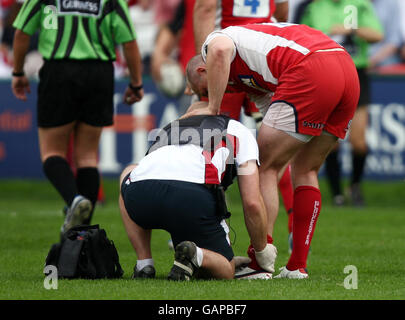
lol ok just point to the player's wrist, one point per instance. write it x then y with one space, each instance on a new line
135 88
213 110
18 73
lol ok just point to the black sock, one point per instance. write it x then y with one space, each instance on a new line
59 173
88 184
332 168
358 163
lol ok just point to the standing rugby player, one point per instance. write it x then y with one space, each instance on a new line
307 87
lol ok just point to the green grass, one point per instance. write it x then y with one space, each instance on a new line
372 239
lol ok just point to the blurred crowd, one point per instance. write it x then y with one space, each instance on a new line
387 56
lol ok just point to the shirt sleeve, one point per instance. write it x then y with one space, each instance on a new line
29 19
247 148
210 37
123 28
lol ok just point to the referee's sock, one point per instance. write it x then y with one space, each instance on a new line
358 164
88 184
59 173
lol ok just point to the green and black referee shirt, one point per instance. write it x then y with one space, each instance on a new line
77 29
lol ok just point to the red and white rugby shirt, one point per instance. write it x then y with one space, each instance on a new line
263 52
191 163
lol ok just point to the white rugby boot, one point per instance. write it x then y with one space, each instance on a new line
294 274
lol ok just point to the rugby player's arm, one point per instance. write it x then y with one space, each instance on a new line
253 205
203 21
166 42
219 57
281 12
20 85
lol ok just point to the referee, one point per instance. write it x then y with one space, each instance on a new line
77 39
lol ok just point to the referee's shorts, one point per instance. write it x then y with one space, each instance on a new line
186 210
75 90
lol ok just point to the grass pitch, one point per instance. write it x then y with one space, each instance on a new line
371 239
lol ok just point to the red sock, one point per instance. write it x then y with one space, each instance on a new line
287 193
307 206
290 222
251 253
101 194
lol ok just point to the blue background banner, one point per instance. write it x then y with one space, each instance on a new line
127 141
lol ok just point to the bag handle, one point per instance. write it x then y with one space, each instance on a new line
119 271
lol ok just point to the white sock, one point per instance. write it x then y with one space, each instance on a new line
140 264
200 256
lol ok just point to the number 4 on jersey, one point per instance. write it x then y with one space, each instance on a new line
251 8
253 4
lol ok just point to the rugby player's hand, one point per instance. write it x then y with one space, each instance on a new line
131 96
199 111
20 87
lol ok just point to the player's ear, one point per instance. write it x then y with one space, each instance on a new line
201 70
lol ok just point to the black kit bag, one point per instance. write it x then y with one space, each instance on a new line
85 252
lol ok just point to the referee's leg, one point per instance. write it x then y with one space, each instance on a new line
53 146
86 142
54 141
86 145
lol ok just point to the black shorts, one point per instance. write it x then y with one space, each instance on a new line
72 90
364 99
186 210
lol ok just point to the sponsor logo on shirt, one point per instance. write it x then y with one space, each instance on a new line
81 7
313 125
250 81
